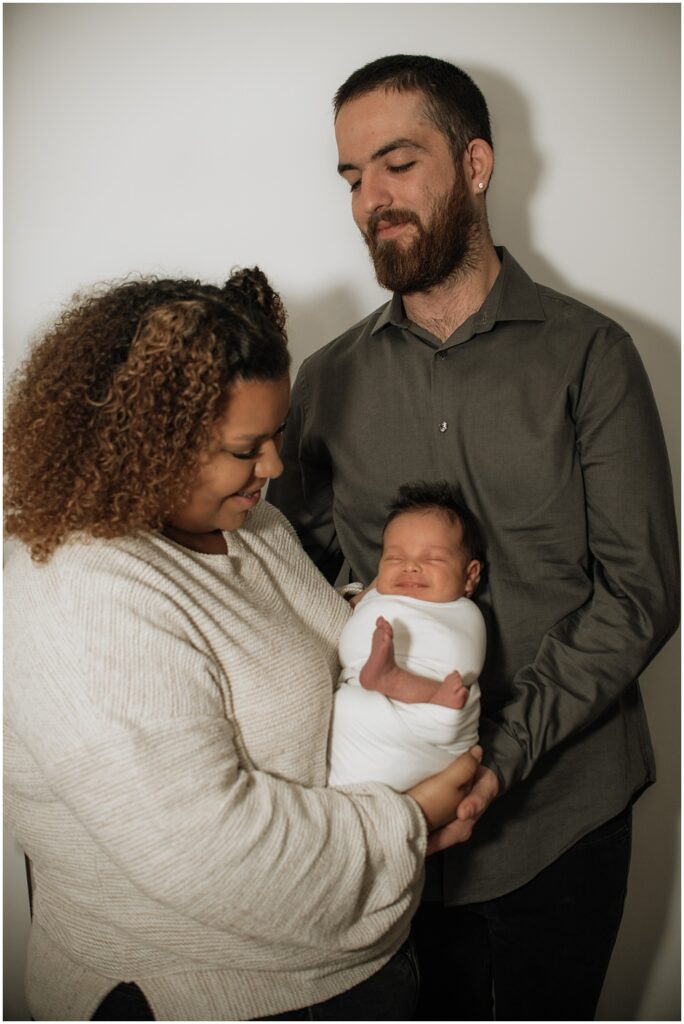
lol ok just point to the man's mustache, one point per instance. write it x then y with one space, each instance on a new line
390 217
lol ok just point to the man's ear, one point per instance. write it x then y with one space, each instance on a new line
478 165
473 570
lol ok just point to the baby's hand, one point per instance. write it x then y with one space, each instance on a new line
362 593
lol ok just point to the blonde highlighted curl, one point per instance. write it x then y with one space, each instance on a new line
106 420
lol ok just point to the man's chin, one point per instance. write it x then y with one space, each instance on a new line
390 250
394 278
401 284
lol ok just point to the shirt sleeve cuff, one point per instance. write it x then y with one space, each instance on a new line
502 754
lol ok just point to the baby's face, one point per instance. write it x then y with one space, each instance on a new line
422 557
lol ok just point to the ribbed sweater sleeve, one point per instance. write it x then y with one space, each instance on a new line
296 866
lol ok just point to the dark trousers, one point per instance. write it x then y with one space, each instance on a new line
125 1002
538 953
389 994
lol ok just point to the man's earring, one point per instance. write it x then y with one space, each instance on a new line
481 185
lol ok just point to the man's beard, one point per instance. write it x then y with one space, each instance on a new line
447 247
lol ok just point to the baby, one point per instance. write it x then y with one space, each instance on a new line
409 700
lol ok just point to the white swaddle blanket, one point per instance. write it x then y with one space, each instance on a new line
376 739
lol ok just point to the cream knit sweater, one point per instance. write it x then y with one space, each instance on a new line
167 718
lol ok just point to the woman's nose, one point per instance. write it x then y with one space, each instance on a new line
269 465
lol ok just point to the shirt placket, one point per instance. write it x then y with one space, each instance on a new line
447 400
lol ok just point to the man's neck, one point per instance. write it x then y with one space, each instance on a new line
443 309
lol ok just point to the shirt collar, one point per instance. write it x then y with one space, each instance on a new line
513 296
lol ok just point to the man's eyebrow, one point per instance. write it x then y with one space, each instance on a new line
383 151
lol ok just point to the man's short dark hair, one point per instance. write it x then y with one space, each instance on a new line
453 102
439 496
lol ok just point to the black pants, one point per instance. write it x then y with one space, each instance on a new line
389 994
538 953
125 1002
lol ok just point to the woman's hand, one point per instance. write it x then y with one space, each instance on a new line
440 796
485 788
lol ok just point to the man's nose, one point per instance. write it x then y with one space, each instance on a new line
373 193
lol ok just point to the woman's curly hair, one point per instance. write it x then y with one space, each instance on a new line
106 420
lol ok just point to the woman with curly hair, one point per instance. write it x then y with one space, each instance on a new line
170 664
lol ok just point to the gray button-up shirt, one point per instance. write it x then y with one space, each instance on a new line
538 410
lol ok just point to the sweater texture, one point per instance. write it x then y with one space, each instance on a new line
166 726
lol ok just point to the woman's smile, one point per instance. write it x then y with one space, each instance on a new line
242 457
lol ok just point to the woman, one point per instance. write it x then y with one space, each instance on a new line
170 657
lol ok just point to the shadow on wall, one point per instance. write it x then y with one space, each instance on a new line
650 929
655 854
654 872
517 173
311 325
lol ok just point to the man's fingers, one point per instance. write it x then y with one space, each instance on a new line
449 835
485 788
470 809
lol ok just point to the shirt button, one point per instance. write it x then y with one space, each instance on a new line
443 426
443 355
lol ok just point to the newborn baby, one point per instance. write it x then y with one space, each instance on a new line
409 700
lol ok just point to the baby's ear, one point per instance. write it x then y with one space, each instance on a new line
473 572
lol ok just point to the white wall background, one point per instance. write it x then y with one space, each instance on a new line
189 138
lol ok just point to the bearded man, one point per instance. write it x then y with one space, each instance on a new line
538 411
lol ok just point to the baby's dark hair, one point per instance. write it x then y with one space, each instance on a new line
439 496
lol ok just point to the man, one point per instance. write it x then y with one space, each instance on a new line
537 409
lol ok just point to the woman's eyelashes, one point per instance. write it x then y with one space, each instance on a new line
254 453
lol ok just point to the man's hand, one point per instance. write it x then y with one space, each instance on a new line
485 788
